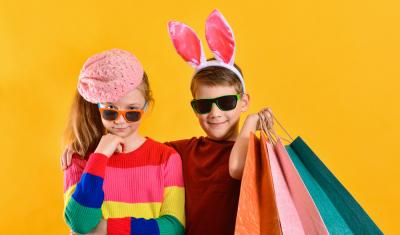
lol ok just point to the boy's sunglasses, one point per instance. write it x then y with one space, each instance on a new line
131 115
224 103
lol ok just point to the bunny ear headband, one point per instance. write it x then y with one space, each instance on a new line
220 40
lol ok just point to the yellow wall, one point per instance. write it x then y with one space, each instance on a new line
328 69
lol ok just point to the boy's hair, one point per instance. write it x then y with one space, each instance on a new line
214 76
85 128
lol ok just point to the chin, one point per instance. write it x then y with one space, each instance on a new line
217 135
122 134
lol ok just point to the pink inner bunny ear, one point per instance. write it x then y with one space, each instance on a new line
220 38
186 43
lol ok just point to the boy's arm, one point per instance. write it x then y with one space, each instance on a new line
237 158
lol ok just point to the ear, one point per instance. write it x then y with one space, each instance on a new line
244 102
186 43
220 38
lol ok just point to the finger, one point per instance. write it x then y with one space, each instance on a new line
122 147
268 118
263 115
120 143
69 156
62 160
259 122
118 149
119 140
262 121
268 113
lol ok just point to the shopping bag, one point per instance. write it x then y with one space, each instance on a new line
340 211
308 212
257 212
287 212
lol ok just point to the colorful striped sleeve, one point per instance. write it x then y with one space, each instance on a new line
83 209
172 212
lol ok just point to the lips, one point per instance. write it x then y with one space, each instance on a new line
120 128
216 123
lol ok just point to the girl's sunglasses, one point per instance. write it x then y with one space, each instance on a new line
131 115
224 103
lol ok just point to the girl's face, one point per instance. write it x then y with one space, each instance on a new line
120 127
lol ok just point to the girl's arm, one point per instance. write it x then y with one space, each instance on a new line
237 158
83 199
172 214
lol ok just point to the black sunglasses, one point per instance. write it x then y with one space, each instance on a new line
224 103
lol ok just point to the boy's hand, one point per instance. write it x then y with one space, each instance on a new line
265 116
66 158
255 119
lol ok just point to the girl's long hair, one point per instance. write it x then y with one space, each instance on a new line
84 129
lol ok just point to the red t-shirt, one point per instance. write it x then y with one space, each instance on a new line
211 194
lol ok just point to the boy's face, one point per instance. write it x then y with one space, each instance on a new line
218 124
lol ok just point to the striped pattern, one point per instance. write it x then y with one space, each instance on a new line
140 192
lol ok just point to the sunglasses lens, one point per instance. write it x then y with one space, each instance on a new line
202 106
227 103
133 116
109 115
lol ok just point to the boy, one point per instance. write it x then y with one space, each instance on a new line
213 165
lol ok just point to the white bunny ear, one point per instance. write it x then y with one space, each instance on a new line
220 38
186 43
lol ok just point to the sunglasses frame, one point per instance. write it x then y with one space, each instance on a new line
214 101
122 112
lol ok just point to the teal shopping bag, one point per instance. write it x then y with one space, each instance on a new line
340 211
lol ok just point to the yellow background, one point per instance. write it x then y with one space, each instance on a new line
328 69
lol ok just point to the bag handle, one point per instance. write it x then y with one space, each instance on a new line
270 132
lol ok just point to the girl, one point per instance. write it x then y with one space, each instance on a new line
119 182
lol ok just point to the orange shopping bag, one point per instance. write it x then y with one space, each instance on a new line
257 211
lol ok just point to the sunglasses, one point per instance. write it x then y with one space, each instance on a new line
131 115
224 103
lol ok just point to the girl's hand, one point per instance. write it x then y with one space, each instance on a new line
109 144
101 228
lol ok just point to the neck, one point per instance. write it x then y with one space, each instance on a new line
133 141
233 134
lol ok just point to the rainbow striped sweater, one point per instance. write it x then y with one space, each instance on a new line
140 192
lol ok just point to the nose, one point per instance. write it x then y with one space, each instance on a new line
215 111
120 119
